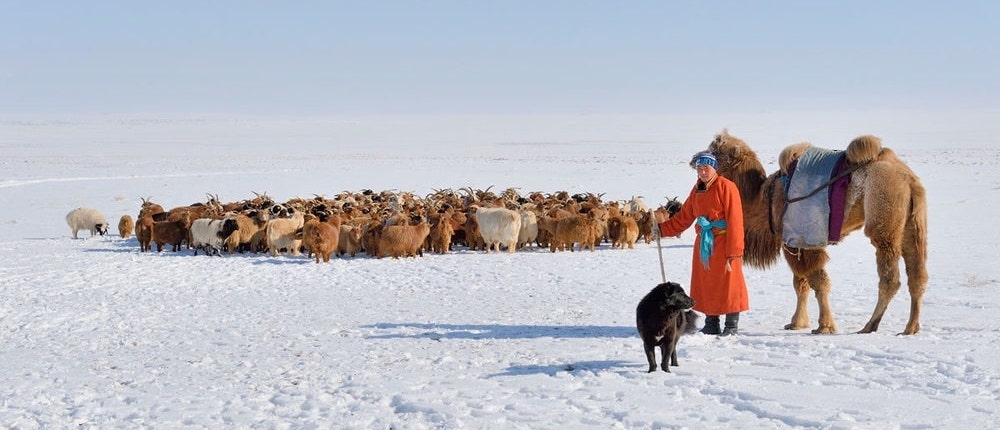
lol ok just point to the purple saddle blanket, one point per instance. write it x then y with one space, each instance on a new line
814 214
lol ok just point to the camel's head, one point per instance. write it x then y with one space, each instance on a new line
732 154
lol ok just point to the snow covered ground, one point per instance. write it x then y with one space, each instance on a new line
96 334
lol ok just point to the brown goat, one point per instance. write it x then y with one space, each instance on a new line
582 229
173 232
151 209
403 240
440 235
473 239
623 231
371 235
321 237
144 232
251 226
126 226
350 240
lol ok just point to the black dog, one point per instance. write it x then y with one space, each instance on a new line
662 317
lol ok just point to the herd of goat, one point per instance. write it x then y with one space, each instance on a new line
387 223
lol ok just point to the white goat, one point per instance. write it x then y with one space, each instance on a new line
498 226
87 219
280 233
637 205
210 234
529 228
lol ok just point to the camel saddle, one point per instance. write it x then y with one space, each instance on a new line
816 196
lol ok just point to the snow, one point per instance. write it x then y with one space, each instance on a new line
96 334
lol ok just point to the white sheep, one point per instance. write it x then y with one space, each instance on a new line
87 219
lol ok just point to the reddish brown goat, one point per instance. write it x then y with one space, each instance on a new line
403 240
350 240
173 232
144 232
440 235
623 231
582 229
321 237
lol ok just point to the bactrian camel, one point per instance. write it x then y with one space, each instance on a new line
885 198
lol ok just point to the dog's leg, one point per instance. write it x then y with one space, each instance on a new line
650 355
668 346
673 352
669 350
665 355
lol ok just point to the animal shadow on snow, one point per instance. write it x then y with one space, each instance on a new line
437 332
553 369
118 245
495 331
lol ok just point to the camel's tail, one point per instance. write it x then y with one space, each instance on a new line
918 219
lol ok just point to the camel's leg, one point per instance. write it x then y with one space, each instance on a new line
887 259
807 267
821 285
800 319
916 280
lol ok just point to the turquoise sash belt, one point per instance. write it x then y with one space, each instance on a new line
707 239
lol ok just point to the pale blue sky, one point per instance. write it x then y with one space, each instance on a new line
521 57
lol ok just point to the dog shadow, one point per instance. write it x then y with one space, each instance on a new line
496 331
578 367
439 332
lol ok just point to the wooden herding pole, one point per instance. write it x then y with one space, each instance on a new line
659 248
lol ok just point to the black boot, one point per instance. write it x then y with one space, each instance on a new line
711 325
732 321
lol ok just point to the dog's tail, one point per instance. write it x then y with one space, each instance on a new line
690 322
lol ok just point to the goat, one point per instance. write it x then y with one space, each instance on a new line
403 240
582 229
280 234
321 237
623 230
498 226
350 240
125 226
473 240
637 205
210 234
249 227
87 219
152 209
529 228
171 231
144 232
371 235
439 239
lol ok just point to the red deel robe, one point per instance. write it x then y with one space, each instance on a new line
715 290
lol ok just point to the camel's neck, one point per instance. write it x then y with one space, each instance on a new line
763 242
750 183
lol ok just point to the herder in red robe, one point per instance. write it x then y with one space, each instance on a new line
717 283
